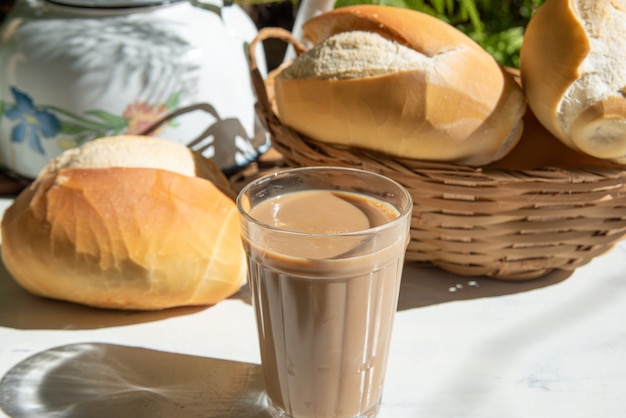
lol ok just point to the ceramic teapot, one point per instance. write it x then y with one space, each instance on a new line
75 70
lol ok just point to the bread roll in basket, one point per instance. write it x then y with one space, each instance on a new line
573 63
126 222
389 80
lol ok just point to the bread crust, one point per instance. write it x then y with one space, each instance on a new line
452 127
124 238
466 109
539 149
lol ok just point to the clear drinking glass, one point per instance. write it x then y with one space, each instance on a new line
325 251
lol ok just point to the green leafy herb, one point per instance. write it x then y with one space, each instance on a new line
497 25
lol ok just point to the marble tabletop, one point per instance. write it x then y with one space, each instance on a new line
462 347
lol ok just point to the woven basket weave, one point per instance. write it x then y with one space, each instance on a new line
508 224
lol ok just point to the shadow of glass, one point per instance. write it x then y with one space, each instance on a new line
424 286
20 309
105 380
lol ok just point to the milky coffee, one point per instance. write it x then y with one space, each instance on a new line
325 298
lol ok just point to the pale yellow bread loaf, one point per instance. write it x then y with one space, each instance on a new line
431 94
125 237
573 73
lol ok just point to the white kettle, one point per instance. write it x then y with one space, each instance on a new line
75 70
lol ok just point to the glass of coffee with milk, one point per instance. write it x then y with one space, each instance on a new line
325 248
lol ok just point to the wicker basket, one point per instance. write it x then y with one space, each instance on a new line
509 224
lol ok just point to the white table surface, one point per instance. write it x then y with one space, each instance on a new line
462 347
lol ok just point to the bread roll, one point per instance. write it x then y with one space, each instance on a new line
539 149
124 223
403 83
573 73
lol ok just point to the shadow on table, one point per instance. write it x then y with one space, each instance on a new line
425 286
105 380
20 309
421 286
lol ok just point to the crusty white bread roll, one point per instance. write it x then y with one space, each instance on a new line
573 73
403 83
123 222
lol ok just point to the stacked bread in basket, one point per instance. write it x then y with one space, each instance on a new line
513 175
